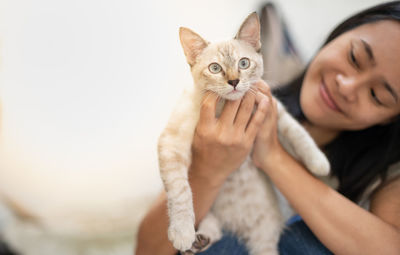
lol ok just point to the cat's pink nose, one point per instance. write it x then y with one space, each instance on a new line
233 82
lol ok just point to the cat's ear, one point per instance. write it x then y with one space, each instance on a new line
250 31
192 44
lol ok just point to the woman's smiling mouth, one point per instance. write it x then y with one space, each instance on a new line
327 98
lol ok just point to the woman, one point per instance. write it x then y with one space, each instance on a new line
349 101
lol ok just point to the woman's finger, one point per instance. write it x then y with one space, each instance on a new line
258 119
270 119
229 112
263 87
245 110
260 96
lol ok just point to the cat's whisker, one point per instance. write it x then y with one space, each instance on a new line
204 91
207 95
252 91
253 87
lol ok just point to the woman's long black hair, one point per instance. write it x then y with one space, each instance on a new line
357 157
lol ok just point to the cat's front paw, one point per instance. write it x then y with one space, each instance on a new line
319 165
200 244
182 235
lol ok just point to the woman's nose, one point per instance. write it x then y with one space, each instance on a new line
348 86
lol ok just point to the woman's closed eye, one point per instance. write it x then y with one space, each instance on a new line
355 62
353 58
375 98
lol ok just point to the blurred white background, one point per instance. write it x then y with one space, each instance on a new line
87 86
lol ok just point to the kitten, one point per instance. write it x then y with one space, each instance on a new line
246 204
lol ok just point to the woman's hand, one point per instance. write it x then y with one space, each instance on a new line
267 145
220 145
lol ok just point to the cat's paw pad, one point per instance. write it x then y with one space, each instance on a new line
200 244
182 236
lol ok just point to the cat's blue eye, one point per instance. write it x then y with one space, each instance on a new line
244 63
214 68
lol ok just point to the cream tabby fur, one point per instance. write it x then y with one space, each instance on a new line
246 204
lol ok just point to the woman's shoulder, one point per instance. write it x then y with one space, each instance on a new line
393 173
385 200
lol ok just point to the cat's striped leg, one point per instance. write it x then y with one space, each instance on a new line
174 162
301 142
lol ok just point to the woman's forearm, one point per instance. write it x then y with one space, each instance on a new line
341 225
152 236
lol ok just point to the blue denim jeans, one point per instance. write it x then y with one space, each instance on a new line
297 239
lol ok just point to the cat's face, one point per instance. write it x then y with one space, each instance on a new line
227 68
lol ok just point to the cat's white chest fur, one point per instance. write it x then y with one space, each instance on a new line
245 198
